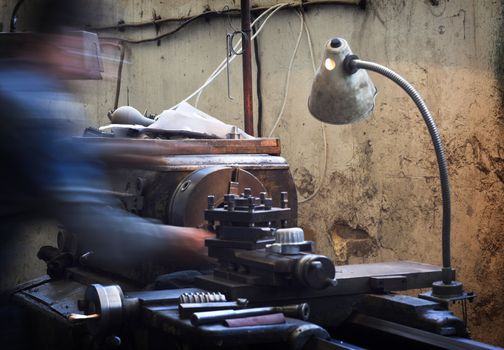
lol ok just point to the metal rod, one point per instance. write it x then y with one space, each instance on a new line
424 338
247 67
80 317
119 78
300 311
229 43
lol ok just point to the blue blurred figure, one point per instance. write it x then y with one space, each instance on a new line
44 174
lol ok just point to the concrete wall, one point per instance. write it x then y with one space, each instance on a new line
379 196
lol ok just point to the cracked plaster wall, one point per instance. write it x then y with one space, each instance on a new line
380 198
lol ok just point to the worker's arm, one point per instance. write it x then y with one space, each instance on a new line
47 174
118 239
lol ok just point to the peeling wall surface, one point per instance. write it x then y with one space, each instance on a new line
376 182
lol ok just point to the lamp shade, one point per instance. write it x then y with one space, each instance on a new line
338 97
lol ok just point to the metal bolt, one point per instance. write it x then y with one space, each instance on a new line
332 281
283 200
262 195
251 204
211 202
231 203
242 301
268 203
247 192
185 185
84 257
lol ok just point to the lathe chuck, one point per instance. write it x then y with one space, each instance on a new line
189 200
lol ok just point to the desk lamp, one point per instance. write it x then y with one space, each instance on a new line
343 93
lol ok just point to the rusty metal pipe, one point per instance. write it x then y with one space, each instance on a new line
248 113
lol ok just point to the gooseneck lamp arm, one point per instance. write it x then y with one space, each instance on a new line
351 65
343 93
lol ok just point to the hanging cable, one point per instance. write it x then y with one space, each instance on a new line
161 36
236 11
324 133
289 71
122 51
222 66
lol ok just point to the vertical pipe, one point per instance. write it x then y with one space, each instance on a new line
247 67
119 77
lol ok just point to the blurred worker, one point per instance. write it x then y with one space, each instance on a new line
44 174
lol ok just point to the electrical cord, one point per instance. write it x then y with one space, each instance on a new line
287 80
310 46
161 36
324 133
122 51
157 22
222 66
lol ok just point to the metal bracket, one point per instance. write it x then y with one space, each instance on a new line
388 283
445 300
230 52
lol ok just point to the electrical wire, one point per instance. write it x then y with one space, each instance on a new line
176 29
222 66
324 133
289 71
310 46
161 36
236 11
286 91
122 51
156 22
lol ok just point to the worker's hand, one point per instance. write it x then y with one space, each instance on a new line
186 244
188 239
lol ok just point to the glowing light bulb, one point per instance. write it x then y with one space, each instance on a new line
329 64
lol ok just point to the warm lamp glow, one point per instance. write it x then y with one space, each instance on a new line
330 64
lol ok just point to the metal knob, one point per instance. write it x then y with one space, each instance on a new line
290 235
316 271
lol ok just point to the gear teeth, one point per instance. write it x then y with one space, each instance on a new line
201 297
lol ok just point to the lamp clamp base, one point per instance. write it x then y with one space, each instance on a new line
445 293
